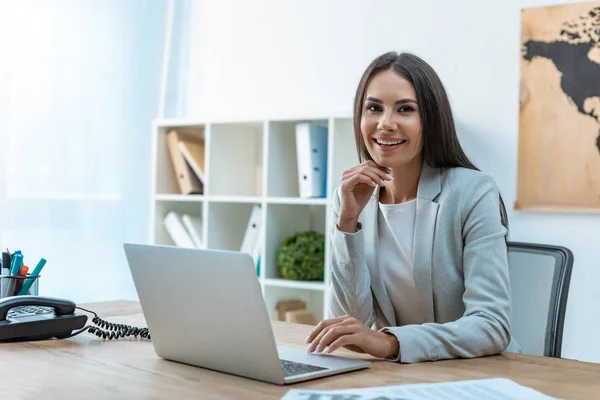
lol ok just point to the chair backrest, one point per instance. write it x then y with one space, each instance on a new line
539 276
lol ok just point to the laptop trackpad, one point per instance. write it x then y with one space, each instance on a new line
325 361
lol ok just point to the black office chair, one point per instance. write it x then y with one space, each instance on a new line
540 276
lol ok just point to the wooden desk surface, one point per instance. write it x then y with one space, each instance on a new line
86 366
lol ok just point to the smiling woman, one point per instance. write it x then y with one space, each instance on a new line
419 266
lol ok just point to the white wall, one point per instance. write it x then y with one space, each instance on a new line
276 59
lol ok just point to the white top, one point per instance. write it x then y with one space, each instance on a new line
396 233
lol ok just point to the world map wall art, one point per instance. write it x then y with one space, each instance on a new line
559 114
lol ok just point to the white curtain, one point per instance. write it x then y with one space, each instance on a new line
81 84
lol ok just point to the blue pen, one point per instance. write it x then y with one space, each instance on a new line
36 272
16 264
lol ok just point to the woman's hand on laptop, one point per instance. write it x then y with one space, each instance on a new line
348 332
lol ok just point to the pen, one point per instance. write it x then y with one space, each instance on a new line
17 263
35 273
15 268
5 263
19 281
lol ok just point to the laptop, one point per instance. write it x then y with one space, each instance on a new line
205 308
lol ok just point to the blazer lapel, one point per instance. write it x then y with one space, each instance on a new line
427 210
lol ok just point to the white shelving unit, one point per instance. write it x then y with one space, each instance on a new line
247 163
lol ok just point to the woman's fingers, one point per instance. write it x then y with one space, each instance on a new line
333 334
322 325
367 164
343 321
368 168
383 173
353 340
367 176
355 180
375 178
315 342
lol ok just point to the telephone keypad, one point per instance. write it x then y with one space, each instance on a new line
23 311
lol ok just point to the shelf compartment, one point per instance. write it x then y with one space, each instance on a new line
161 236
235 199
165 179
236 159
282 171
314 299
226 224
284 220
296 200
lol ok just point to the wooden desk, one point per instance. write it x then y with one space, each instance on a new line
87 367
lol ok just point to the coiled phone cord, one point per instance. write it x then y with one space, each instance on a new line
109 330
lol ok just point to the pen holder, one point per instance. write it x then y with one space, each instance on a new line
11 285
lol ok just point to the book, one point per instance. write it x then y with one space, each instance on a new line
187 180
174 225
193 152
193 225
311 154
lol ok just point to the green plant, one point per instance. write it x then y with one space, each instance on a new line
302 256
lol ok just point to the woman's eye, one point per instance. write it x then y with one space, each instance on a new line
373 108
405 109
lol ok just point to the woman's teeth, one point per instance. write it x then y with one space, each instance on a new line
389 143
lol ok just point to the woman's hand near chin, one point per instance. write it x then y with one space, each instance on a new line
357 184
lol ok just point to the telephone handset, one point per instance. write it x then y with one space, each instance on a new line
24 318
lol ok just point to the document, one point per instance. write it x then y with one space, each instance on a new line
492 389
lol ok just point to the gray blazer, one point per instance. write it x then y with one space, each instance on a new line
460 269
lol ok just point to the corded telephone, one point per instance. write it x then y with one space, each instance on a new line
24 318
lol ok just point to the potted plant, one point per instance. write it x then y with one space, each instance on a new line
302 256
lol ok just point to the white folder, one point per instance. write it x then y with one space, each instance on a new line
193 225
251 241
311 153
174 226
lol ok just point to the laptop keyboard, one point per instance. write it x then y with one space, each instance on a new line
291 368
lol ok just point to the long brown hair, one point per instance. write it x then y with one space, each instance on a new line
441 148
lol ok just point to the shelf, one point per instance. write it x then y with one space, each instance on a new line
284 283
296 200
178 122
249 163
179 197
234 199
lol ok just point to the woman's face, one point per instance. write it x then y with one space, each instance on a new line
390 122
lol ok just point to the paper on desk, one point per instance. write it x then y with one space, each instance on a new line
492 389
